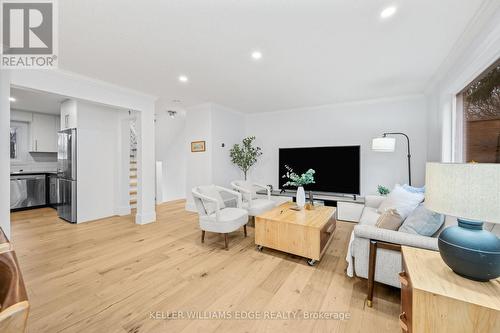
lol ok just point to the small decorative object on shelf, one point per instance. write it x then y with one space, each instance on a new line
382 190
299 181
310 204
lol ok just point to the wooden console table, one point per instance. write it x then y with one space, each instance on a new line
435 299
306 233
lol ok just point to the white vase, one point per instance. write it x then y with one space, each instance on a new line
301 197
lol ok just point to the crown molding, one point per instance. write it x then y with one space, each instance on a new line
476 49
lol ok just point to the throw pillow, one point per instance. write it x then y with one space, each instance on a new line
212 192
414 189
402 201
389 220
422 222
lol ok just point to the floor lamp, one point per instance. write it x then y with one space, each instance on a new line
388 145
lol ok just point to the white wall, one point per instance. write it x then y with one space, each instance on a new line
198 165
346 124
171 151
477 49
5 152
98 140
228 128
214 124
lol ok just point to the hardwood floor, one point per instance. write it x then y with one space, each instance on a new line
115 276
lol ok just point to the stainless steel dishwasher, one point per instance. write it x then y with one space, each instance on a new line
27 191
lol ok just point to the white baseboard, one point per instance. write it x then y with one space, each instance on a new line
145 218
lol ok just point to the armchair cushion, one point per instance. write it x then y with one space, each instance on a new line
229 220
212 192
258 206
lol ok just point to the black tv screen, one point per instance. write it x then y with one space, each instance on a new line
337 168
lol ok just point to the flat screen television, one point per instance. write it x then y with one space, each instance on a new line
337 167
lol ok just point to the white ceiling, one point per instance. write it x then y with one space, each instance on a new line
314 51
35 101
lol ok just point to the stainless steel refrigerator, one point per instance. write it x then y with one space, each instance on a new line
67 166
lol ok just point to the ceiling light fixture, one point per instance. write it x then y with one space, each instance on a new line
388 12
12 99
256 55
172 113
183 78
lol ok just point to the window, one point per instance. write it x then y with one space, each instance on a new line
480 102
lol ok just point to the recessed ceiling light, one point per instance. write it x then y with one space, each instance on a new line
183 78
12 99
256 55
388 12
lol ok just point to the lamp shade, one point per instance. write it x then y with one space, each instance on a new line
384 144
470 191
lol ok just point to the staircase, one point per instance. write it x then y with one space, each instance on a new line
133 166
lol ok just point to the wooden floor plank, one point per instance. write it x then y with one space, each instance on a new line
110 275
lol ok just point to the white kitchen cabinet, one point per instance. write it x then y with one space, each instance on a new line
44 129
68 114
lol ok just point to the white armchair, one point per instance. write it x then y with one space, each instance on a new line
251 202
214 216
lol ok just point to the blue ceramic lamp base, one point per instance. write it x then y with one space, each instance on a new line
470 251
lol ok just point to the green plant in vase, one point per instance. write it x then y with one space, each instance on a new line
299 181
382 190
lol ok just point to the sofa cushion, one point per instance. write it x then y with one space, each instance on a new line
414 189
422 222
389 220
369 216
402 201
212 192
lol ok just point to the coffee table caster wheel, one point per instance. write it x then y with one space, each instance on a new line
260 248
311 262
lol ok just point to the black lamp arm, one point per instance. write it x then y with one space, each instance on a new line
409 151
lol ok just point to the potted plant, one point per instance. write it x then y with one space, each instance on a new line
299 182
382 190
245 156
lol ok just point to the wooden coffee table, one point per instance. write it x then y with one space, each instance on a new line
306 233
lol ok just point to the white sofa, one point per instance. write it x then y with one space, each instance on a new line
384 244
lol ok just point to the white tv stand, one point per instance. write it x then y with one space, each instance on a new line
349 208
